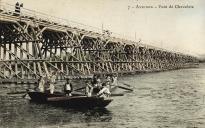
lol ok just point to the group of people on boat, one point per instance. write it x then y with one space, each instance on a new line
46 83
98 88
94 87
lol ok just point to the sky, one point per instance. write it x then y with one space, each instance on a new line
175 29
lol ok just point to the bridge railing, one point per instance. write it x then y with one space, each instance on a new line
61 21
53 19
10 9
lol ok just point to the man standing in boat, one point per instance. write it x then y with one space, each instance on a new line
41 84
68 88
52 80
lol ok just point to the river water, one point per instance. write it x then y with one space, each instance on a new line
174 99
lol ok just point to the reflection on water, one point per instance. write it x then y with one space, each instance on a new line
172 99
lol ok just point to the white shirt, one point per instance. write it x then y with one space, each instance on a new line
53 78
105 92
67 87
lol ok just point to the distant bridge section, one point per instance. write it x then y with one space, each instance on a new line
34 44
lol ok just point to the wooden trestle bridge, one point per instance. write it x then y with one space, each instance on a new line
34 44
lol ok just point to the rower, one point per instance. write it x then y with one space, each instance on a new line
104 92
68 88
88 89
114 81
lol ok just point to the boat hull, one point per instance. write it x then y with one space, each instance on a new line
69 101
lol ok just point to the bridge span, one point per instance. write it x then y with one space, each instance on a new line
34 44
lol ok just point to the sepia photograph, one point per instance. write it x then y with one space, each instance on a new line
102 64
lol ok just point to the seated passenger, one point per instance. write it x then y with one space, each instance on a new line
97 86
96 80
108 81
68 88
108 78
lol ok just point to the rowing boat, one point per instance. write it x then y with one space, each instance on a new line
59 99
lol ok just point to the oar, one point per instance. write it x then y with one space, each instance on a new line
127 84
129 89
117 94
19 92
79 88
